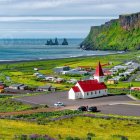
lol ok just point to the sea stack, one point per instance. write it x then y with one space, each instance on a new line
65 42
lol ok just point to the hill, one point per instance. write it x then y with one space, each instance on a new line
118 34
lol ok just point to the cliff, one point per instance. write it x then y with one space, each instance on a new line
117 34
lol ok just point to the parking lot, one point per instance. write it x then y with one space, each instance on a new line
121 109
104 104
52 98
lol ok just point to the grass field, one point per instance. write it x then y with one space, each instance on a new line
8 105
80 127
23 72
101 129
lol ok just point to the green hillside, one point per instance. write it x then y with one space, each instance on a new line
113 36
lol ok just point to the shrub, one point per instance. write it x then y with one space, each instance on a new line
120 136
91 135
69 138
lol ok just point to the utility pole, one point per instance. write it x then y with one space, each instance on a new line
130 88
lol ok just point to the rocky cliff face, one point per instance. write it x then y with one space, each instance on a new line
130 21
117 34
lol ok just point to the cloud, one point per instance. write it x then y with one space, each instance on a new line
70 17
67 7
45 18
34 4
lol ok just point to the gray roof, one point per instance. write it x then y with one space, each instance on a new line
45 87
16 85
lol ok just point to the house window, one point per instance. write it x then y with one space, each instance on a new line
99 91
95 92
87 94
91 93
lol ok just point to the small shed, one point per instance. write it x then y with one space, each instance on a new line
45 88
23 87
112 81
135 88
15 86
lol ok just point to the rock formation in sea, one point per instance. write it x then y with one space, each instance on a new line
65 42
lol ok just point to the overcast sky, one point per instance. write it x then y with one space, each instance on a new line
58 18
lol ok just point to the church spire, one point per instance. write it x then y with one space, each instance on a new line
99 75
99 71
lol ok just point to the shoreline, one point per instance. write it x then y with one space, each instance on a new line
36 60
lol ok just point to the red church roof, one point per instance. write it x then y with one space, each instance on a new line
99 71
76 89
91 85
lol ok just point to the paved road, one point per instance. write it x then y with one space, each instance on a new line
121 109
52 98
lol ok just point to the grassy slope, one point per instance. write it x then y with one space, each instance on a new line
78 126
23 72
113 37
8 105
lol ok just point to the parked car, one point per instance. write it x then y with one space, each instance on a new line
92 109
59 104
82 108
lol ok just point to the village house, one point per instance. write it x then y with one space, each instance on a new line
58 70
18 87
90 88
50 78
107 72
47 88
72 81
15 86
135 88
74 71
2 87
112 81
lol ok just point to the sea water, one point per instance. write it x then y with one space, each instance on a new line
35 49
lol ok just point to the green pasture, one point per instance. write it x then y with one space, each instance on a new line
22 72
80 127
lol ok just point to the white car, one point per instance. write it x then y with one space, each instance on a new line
59 104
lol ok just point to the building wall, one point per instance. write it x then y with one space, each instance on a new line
82 92
96 93
99 78
91 94
73 95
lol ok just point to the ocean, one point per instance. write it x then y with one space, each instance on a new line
35 49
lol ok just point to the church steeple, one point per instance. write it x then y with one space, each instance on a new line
99 71
99 75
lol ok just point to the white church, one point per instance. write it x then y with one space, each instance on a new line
89 88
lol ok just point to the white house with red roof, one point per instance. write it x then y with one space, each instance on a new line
89 88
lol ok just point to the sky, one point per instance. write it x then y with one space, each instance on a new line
58 18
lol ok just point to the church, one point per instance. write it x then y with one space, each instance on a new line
89 88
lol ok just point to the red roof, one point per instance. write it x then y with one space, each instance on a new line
76 89
1 87
91 85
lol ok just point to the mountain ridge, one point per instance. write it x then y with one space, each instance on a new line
117 34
